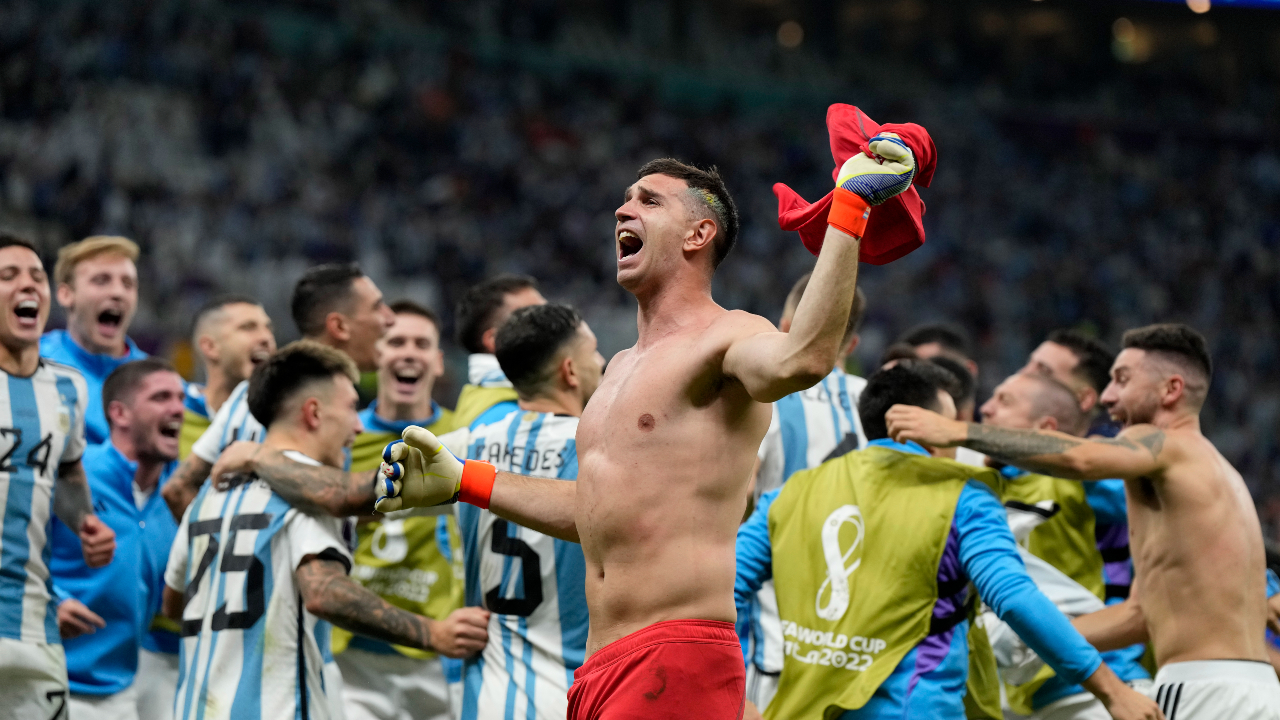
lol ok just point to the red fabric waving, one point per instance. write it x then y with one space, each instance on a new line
895 227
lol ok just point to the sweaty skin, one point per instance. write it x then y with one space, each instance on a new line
665 452
1199 564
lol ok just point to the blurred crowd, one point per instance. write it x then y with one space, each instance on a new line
440 144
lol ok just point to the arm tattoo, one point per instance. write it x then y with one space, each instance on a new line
1015 445
316 489
350 606
73 501
1153 441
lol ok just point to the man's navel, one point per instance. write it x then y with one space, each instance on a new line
646 423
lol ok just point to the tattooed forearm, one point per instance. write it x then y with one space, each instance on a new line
331 595
316 489
1015 445
73 500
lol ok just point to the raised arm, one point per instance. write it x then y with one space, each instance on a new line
1137 452
772 364
313 489
73 504
329 594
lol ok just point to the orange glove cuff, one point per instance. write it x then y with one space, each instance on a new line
477 483
849 213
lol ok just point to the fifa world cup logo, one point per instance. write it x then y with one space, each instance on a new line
838 571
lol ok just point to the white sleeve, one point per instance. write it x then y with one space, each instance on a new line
770 453
175 573
74 447
315 536
209 445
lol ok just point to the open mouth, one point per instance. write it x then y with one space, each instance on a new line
628 244
110 319
257 357
407 380
171 428
27 310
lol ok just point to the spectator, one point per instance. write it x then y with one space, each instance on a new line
97 284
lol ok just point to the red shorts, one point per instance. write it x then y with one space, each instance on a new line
672 669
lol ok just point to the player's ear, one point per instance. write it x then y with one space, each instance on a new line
569 372
65 295
1048 422
208 348
311 413
1175 389
118 414
703 235
336 327
487 340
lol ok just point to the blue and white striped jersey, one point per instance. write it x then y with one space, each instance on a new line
41 426
533 584
805 429
250 650
232 422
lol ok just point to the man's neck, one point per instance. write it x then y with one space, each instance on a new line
20 360
147 476
114 350
217 388
667 309
288 438
1177 419
556 402
419 409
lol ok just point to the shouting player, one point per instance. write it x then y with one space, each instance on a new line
42 410
667 445
1199 594
532 583
252 580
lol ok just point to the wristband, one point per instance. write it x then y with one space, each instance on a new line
849 213
476 485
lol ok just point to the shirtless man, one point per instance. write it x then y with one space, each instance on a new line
1198 595
667 444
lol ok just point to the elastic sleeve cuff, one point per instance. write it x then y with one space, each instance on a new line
477 483
849 213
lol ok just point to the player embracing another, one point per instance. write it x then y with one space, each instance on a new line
1199 592
254 582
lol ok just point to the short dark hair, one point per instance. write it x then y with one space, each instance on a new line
11 240
409 307
1179 342
963 388
898 351
123 382
216 304
321 290
948 335
910 382
709 189
480 305
530 340
857 308
1094 359
275 382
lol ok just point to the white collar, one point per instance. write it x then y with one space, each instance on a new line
483 370
301 457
